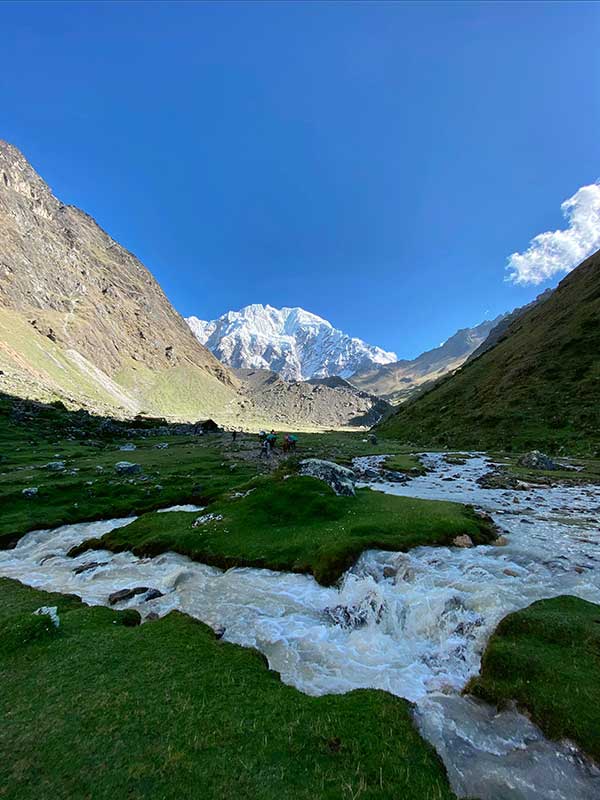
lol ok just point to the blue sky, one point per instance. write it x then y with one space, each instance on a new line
375 163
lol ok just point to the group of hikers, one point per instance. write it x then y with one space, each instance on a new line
268 442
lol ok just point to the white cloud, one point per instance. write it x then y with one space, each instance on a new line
561 251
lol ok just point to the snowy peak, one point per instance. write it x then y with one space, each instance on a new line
291 341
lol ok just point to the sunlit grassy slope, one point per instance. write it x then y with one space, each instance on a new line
538 387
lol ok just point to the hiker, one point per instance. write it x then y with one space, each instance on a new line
265 449
293 441
272 439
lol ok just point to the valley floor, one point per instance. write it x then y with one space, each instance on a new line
166 707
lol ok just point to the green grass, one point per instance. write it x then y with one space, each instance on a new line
299 525
589 474
99 710
342 447
405 462
536 388
547 659
191 469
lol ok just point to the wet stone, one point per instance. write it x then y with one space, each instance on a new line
89 565
126 594
152 594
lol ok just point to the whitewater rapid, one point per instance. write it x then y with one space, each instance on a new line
413 624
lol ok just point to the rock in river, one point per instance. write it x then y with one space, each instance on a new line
464 540
126 594
341 479
537 460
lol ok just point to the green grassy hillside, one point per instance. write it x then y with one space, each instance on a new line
538 387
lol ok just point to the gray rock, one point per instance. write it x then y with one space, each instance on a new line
88 566
30 492
152 594
127 468
126 594
341 479
357 615
537 460
161 446
128 446
55 466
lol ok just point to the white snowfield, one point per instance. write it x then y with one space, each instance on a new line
291 341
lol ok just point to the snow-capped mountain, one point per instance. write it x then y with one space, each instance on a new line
291 341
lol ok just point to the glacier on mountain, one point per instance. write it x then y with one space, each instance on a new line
291 341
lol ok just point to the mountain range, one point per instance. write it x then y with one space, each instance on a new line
83 321
299 345
290 341
402 379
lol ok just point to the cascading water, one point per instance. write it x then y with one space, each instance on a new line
413 624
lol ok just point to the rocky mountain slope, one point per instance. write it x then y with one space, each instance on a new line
291 341
538 386
401 379
321 403
83 320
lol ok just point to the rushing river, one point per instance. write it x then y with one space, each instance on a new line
412 624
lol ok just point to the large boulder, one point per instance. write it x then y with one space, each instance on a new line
537 460
341 479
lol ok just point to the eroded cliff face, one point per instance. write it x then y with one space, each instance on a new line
79 292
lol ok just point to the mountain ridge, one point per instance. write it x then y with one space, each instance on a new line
401 379
83 321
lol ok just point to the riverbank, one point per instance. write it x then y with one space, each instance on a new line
296 524
98 709
546 659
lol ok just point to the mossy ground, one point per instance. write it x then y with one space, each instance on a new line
547 659
405 462
298 525
100 710
191 469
